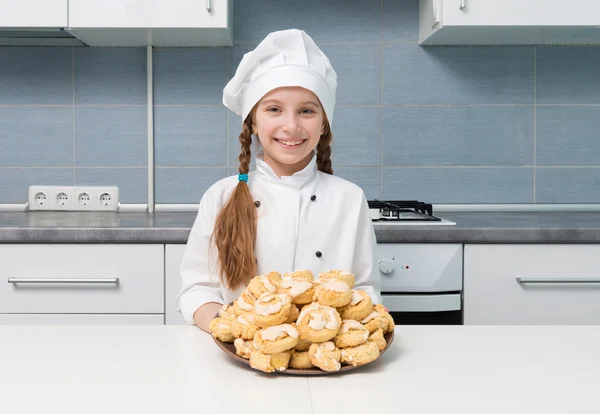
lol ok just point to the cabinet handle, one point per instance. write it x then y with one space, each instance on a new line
462 4
525 280
208 5
112 281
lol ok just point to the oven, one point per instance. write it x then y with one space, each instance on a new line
421 283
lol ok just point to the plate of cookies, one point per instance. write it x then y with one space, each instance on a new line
293 324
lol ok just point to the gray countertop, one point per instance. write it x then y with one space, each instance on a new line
164 227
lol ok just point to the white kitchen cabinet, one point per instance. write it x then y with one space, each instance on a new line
152 22
82 278
559 284
65 319
33 13
456 22
173 257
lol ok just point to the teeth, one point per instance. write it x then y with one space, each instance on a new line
290 143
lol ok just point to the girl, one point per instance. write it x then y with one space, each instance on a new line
292 213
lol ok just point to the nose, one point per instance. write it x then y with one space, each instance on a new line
291 123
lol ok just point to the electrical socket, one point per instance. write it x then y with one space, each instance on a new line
95 198
73 198
44 197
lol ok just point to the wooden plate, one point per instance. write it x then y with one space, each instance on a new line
229 350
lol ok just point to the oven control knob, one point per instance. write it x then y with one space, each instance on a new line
386 266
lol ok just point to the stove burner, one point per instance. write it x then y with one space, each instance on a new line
406 210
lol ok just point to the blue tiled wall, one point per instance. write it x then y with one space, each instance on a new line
443 125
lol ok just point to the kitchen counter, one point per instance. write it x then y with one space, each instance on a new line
165 227
178 369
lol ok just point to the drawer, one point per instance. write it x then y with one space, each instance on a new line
73 319
81 278
559 284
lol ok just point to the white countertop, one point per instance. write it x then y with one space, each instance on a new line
178 369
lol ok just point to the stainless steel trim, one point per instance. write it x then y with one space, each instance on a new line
405 302
113 281
462 4
503 208
208 5
529 280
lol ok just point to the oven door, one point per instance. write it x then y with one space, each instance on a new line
425 308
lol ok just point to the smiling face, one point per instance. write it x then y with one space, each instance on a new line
289 123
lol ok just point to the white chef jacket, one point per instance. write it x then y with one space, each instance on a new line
310 220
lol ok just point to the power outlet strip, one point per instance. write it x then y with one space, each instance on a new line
73 198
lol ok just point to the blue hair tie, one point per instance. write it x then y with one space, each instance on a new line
243 177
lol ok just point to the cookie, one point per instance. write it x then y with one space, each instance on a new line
268 283
318 323
293 315
243 348
227 312
302 345
360 355
378 338
220 328
351 333
305 275
271 362
301 290
372 322
272 309
300 359
244 304
244 327
276 339
325 356
334 293
342 275
360 306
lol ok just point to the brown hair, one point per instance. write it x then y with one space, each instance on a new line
234 234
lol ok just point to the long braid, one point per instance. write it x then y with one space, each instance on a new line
234 234
324 151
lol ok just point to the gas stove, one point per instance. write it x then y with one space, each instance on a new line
406 212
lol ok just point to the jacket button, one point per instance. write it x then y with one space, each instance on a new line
319 254
313 198
257 203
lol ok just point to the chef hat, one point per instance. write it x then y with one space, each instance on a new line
283 58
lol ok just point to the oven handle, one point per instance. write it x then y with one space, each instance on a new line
528 280
402 302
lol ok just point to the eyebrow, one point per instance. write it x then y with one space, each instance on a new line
276 101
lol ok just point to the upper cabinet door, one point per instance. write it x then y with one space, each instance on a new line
520 13
33 13
148 13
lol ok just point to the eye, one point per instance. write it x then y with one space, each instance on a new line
273 109
307 111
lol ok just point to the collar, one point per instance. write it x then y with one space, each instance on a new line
299 178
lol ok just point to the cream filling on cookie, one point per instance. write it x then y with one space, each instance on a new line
352 325
317 320
336 286
223 326
356 298
297 287
224 310
245 319
267 284
244 305
370 317
345 273
273 333
269 304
